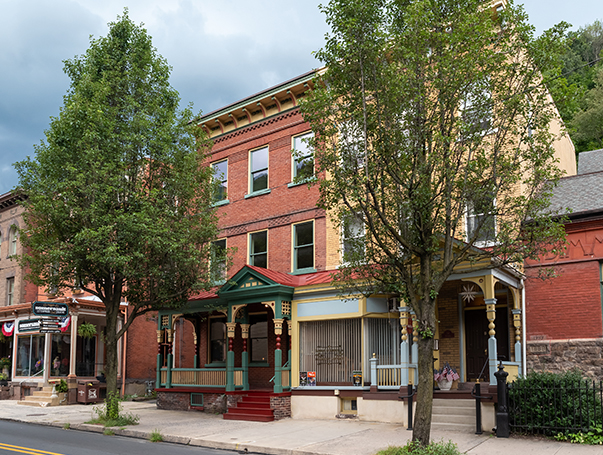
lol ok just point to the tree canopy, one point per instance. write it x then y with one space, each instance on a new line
118 196
433 147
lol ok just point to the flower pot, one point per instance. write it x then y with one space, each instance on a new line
444 384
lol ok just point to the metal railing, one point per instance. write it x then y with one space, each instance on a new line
558 406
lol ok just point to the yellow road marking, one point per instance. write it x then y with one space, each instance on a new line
28 450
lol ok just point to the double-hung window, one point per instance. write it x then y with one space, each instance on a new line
218 261
217 339
303 158
481 221
476 108
258 170
303 246
221 178
353 237
258 249
10 291
12 241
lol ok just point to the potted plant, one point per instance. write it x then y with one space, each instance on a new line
4 362
3 379
445 376
86 330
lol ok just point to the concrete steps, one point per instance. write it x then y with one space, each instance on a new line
453 415
41 398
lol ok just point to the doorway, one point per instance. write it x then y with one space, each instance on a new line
476 336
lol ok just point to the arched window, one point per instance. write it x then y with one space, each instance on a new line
12 240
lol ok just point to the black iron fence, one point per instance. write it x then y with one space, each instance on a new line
553 404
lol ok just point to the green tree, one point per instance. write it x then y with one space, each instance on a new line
118 198
427 110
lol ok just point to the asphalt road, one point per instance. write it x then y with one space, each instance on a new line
45 440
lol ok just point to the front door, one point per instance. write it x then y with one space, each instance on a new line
476 333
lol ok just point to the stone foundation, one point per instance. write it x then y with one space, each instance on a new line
281 405
558 356
181 401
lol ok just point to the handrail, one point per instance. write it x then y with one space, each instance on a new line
33 376
411 393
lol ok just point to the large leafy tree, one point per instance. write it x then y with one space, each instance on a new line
428 111
118 199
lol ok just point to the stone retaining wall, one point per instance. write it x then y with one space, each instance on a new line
562 355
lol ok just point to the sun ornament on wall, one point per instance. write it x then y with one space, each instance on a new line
468 293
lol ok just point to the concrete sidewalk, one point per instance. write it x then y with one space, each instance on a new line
284 437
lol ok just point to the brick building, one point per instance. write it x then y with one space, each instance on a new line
275 325
564 319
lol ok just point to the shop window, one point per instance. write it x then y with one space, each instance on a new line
30 355
85 357
258 336
332 349
60 354
217 339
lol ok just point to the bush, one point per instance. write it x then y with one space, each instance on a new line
415 448
551 403
62 387
110 414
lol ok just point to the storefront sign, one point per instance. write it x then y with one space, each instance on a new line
49 309
29 325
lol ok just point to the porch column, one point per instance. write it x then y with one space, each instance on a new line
159 360
404 346
415 346
492 350
196 342
517 324
230 386
73 346
278 357
168 378
289 353
245 356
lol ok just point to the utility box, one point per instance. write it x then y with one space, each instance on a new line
88 392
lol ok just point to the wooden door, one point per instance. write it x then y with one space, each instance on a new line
476 335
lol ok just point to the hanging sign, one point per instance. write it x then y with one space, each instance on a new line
29 325
50 309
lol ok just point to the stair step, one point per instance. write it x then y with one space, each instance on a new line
254 411
248 417
456 427
252 405
452 410
461 403
451 418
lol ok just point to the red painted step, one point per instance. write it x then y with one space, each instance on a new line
253 407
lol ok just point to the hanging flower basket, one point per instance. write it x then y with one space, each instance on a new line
86 330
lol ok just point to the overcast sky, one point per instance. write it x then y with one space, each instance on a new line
220 51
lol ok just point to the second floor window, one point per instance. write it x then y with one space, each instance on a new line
258 249
221 177
258 170
353 237
303 159
218 261
303 246
10 291
481 221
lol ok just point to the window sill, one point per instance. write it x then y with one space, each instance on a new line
258 364
301 182
220 203
257 193
303 271
215 365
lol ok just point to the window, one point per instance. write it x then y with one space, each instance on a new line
348 405
258 334
217 339
258 249
303 158
353 238
30 355
258 170
481 221
60 352
351 143
10 291
218 261
221 177
476 108
303 246
12 241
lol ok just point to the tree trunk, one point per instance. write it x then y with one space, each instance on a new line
112 312
422 422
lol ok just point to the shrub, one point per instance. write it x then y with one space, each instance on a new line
156 436
553 403
110 414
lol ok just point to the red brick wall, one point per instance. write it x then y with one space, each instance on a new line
567 306
141 352
275 211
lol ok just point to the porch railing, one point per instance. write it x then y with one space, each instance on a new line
200 377
391 377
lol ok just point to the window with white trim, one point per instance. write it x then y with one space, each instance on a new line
303 157
258 170
303 246
353 232
221 177
258 249
481 221
476 108
10 291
